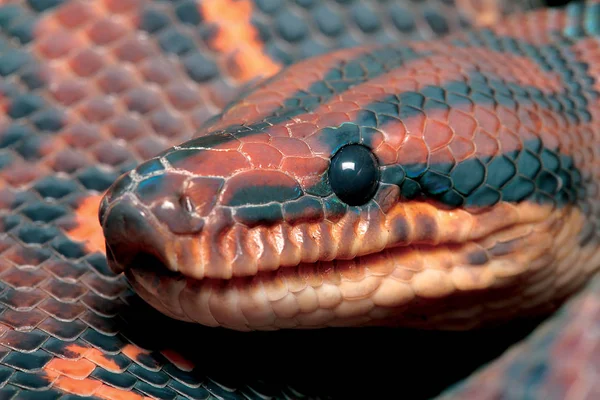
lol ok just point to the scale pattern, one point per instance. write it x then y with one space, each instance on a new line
87 91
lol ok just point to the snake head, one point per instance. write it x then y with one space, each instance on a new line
367 186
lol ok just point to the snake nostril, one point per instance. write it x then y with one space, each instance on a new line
178 214
187 204
127 232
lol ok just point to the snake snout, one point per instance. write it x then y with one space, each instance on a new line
132 238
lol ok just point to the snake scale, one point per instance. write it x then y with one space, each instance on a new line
416 182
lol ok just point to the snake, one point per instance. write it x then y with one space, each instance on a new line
205 199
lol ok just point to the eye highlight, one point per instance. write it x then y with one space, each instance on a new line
354 174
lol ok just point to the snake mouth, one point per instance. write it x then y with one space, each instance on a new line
146 261
308 295
498 268
411 286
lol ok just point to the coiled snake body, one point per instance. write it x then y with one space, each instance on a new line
445 184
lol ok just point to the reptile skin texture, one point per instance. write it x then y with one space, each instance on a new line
90 89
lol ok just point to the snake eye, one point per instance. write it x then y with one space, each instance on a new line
354 174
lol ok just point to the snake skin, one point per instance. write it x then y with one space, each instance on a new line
74 79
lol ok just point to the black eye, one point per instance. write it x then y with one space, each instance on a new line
354 174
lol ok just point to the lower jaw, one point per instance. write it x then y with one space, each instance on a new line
344 294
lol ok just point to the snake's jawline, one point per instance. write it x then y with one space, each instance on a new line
156 285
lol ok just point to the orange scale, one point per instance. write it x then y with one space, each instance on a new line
291 147
21 173
82 387
371 91
355 97
126 127
278 131
182 96
302 130
279 93
446 76
509 140
394 133
87 229
488 120
116 79
305 167
332 119
548 119
414 151
437 134
531 126
86 63
75 14
486 145
211 162
464 124
59 44
552 138
262 155
97 109
167 123
312 117
221 92
256 138
46 26
67 160
122 6
386 154
344 106
106 30
134 50
50 145
110 393
319 145
403 84
240 113
157 71
237 35
461 148
77 369
428 79
266 107
353 114
133 352
70 91
142 100
101 359
509 118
